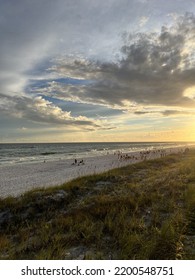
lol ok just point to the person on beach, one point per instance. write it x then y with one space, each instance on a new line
75 162
81 162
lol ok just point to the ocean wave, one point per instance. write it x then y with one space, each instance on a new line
47 153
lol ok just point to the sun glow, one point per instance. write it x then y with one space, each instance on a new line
190 92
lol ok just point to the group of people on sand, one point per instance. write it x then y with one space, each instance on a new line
76 162
142 155
122 157
145 154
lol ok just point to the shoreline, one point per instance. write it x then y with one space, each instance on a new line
16 180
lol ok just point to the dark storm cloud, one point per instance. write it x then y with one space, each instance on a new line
155 69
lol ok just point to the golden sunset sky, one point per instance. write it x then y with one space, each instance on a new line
90 71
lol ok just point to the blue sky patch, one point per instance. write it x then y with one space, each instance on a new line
34 85
77 109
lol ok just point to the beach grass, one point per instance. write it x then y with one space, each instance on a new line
141 211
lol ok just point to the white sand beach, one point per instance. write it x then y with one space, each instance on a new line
17 179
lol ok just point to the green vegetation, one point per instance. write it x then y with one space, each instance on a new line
141 211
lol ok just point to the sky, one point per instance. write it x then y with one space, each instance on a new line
95 71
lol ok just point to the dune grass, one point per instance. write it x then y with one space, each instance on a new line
141 211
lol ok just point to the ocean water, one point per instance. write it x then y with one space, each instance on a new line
11 154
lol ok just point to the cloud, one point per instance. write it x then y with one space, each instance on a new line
166 113
154 69
26 38
38 30
79 40
39 110
143 20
